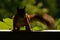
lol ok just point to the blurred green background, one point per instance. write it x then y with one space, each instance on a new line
8 9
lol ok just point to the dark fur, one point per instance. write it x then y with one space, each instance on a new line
20 20
45 19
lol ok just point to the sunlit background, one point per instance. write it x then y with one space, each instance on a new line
8 9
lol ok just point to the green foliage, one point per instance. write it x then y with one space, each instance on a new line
8 8
31 9
4 26
8 24
52 6
8 21
23 28
5 13
36 25
58 24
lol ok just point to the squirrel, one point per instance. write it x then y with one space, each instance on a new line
23 19
20 20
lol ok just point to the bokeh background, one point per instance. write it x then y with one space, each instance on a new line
8 9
